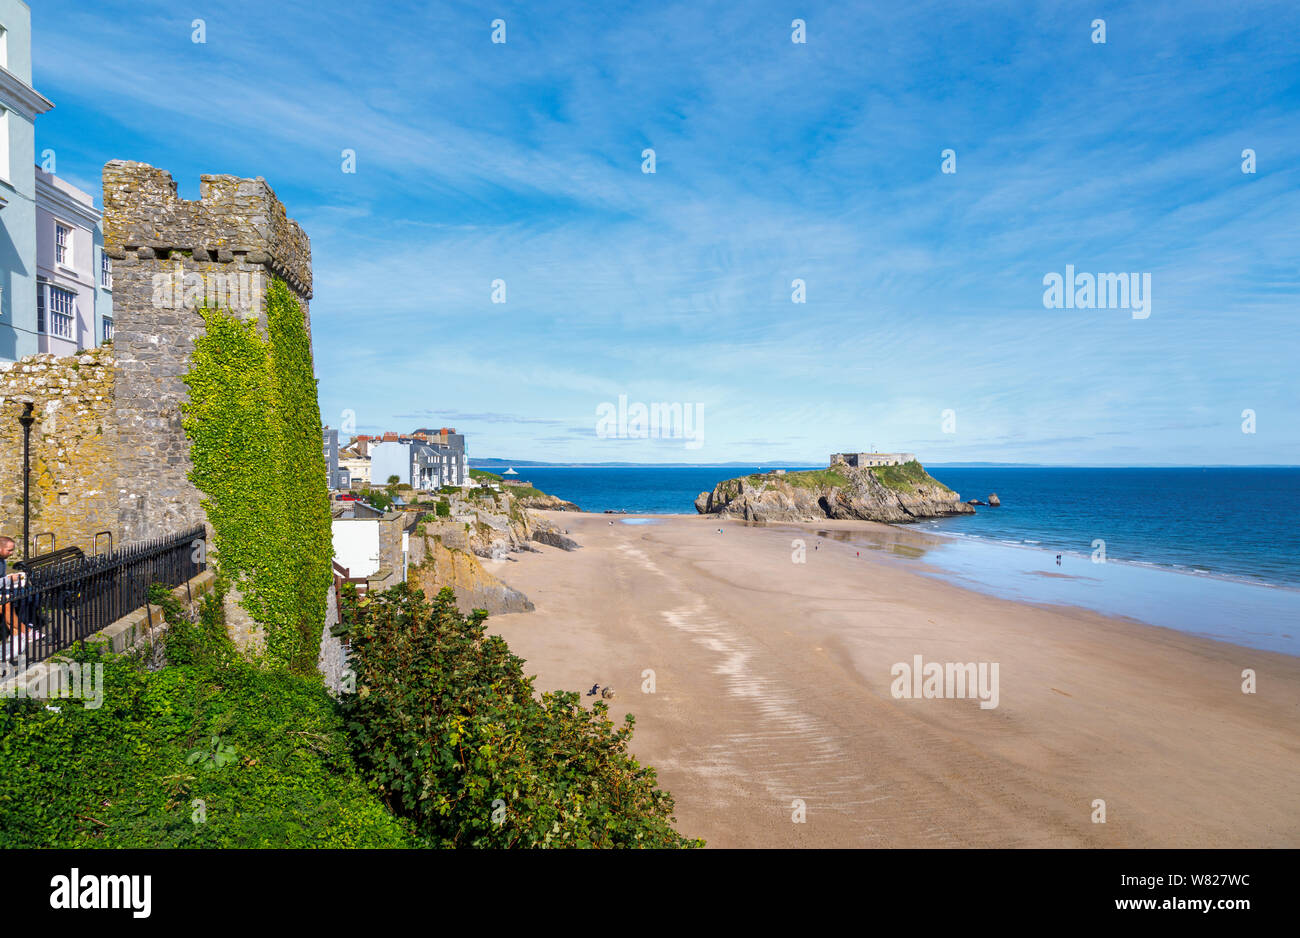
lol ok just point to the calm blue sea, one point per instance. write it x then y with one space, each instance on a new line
1239 523
1212 552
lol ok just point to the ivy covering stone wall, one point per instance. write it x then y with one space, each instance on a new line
254 427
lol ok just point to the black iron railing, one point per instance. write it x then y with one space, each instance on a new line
49 608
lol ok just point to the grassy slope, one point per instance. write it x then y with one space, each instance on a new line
904 478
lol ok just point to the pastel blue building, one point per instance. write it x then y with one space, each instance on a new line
20 105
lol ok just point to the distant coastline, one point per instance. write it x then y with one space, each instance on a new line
493 462
1184 518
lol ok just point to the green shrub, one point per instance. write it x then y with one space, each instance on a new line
215 752
448 728
203 641
444 508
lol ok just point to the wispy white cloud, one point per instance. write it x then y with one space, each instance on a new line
775 162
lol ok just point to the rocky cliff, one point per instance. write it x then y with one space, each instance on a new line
540 500
475 587
882 493
466 548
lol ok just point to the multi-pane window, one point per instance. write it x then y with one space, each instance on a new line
108 329
105 271
62 244
62 306
40 307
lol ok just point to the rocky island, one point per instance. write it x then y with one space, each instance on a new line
857 486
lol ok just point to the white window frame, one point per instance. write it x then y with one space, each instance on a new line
105 270
60 318
107 328
62 249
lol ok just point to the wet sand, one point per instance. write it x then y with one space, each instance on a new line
772 687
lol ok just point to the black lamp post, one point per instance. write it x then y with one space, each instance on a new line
27 420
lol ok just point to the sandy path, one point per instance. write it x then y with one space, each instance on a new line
772 683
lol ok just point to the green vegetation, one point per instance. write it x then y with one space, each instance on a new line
905 477
485 475
525 491
254 427
808 479
457 743
210 751
443 744
443 508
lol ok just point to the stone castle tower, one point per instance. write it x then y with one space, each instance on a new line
169 256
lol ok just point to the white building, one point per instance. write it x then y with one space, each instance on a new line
74 277
872 459
421 462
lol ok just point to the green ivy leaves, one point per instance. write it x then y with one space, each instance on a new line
214 757
254 426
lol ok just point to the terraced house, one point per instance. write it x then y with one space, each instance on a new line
55 280
426 459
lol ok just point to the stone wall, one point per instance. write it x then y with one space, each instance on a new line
109 451
74 448
170 255
333 660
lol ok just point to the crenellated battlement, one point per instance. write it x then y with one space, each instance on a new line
171 258
234 221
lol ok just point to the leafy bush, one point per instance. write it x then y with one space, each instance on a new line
211 753
449 729
201 641
444 508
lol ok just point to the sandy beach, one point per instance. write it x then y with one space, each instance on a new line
772 689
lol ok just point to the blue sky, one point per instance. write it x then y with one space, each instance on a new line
775 161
